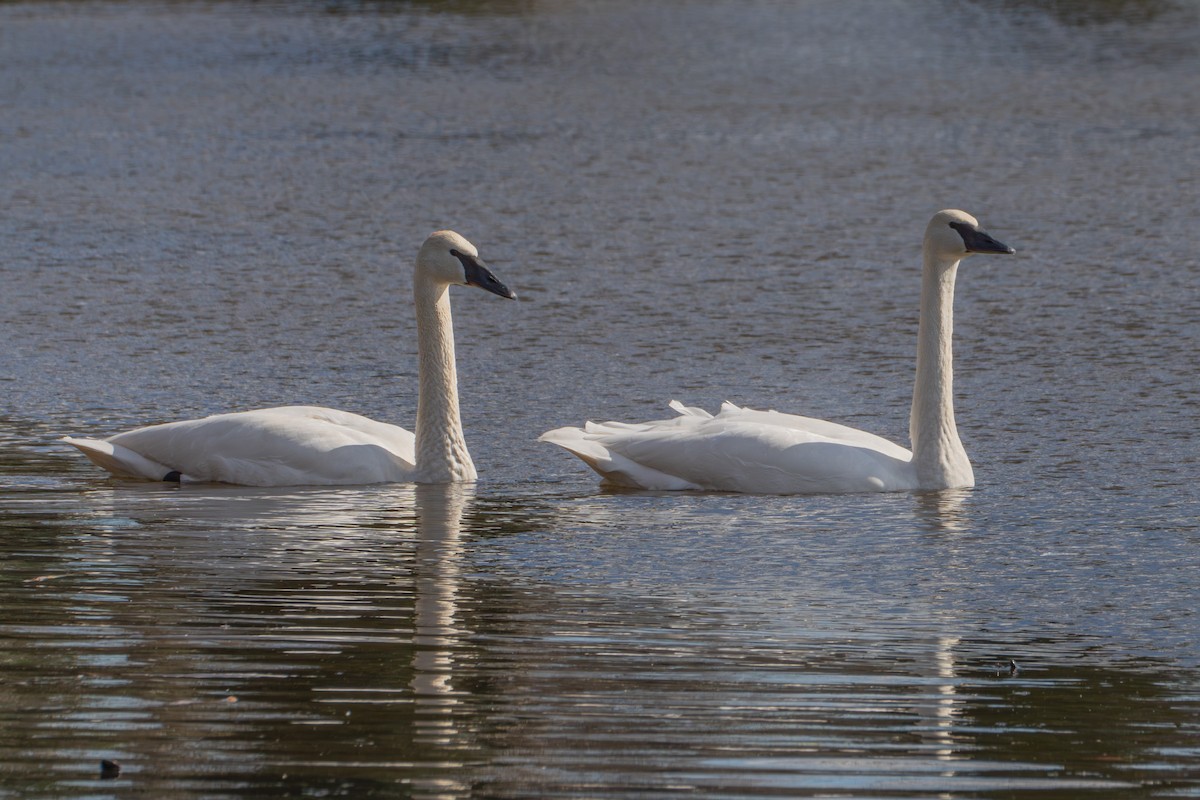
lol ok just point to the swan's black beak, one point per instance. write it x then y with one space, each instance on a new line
479 275
977 241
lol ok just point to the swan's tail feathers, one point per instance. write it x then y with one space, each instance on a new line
121 461
613 467
689 411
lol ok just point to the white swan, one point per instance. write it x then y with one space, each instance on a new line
308 445
765 452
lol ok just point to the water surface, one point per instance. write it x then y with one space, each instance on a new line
212 206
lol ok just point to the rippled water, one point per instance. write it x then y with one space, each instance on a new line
214 206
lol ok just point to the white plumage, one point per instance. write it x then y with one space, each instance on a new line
766 452
309 445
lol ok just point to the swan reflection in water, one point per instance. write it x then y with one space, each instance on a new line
944 511
333 606
438 632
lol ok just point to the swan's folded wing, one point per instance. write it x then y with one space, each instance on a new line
613 467
689 411
737 450
820 427
670 454
292 445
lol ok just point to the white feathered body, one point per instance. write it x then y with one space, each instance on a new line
765 452
310 445
740 450
290 445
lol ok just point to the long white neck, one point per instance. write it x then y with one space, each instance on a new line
938 454
442 455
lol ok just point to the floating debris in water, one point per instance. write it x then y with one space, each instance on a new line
1008 667
109 769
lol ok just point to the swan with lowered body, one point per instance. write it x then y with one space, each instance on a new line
766 452
310 445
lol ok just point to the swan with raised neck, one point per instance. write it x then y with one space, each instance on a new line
441 447
742 450
939 458
311 445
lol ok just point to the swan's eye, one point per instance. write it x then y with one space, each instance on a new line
455 253
964 230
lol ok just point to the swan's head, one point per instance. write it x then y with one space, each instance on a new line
448 258
954 234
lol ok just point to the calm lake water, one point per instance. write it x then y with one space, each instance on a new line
215 206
